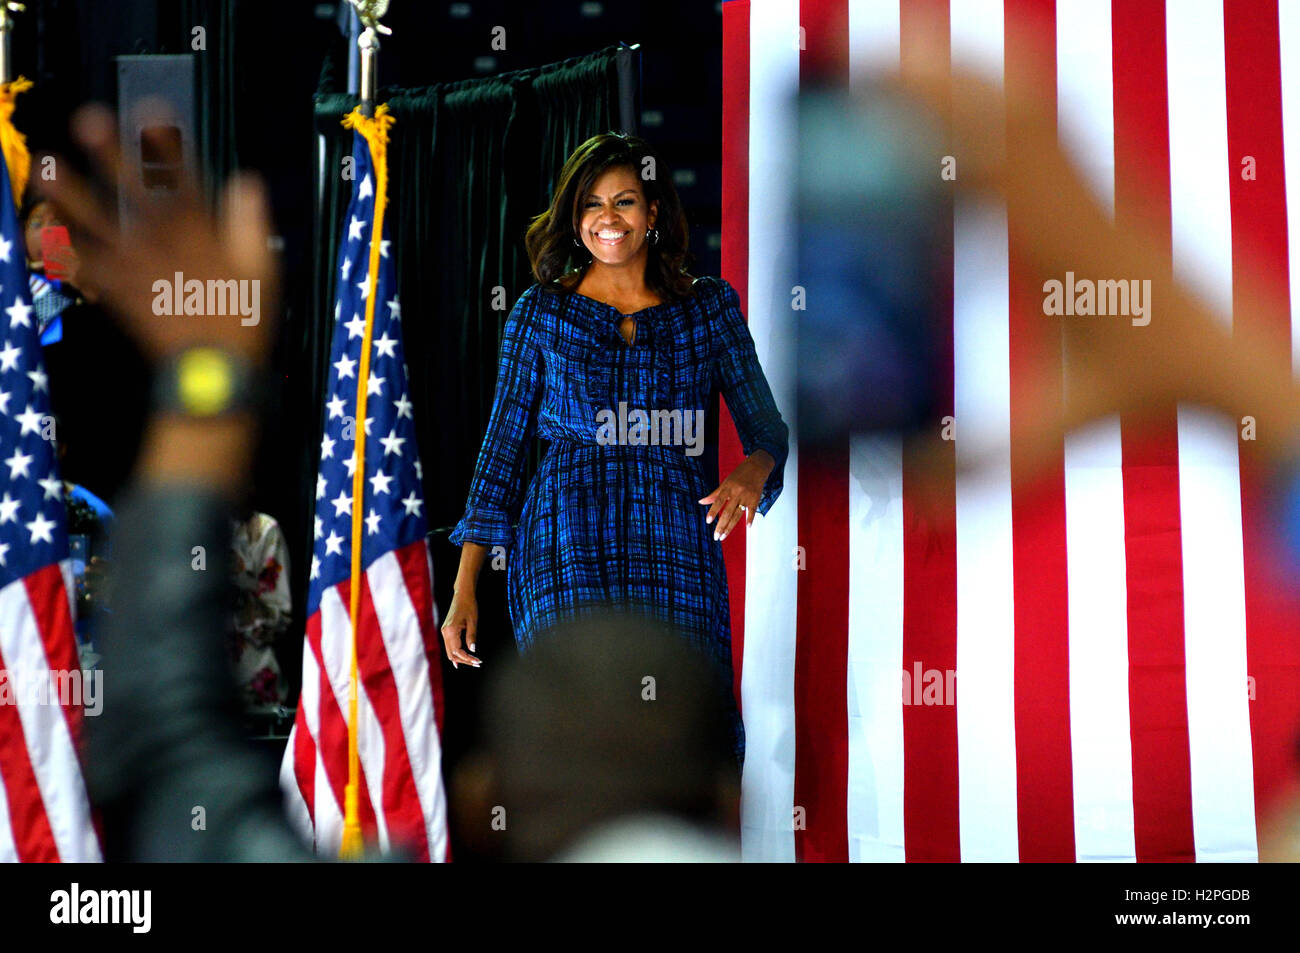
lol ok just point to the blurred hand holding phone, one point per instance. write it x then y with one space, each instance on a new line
56 251
874 220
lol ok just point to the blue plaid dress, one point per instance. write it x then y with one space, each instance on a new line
618 522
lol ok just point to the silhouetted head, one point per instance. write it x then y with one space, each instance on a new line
607 716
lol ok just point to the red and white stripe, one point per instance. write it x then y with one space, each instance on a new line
1104 617
399 712
44 811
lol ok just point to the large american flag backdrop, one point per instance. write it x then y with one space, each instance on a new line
1128 663
399 649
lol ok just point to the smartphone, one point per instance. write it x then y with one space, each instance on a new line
54 239
872 220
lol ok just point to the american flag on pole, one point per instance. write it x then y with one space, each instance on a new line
1126 666
398 648
44 811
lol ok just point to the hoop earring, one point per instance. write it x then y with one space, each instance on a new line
652 236
577 244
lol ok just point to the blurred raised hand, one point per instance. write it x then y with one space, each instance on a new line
134 264
1006 146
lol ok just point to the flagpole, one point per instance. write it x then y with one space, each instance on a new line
368 42
369 12
7 9
375 134
13 144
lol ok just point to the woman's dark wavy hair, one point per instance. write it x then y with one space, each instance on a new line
549 239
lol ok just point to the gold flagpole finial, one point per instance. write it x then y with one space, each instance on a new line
369 12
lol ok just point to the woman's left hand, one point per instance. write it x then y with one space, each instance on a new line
739 493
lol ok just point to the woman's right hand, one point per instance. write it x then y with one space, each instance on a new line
460 628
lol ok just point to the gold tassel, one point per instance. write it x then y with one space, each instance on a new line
353 846
12 142
374 129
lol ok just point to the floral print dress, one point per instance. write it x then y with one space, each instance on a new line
259 563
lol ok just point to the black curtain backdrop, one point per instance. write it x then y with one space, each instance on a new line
470 163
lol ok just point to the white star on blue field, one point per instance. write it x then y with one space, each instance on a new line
33 521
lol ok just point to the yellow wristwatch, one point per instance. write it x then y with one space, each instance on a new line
205 382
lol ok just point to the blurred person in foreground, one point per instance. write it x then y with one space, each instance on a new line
604 742
167 764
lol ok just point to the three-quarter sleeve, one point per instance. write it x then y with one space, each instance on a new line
496 492
749 398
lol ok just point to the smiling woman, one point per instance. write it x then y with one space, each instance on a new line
614 198
614 518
